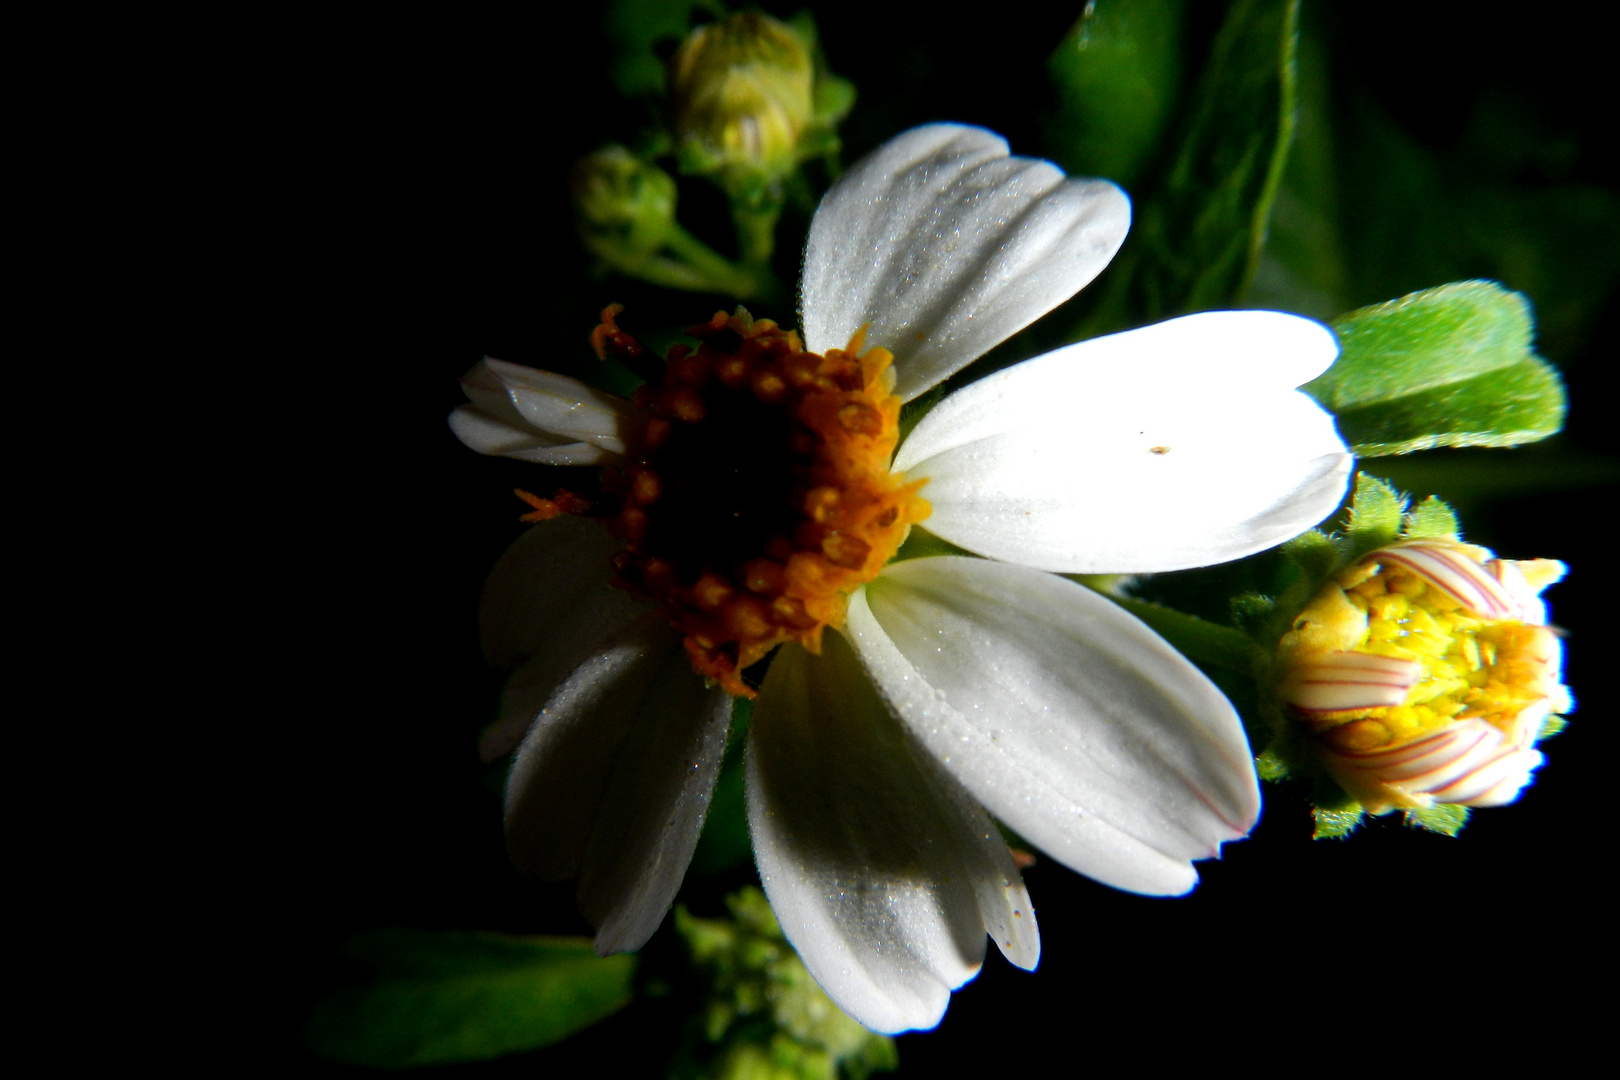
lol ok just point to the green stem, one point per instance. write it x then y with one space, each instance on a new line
756 231
720 274
1201 641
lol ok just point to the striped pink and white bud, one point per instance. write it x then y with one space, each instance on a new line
1426 672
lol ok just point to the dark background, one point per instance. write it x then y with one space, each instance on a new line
414 219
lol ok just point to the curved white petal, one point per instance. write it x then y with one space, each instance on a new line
614 779
883 873
550 587
537 416
1065 716
1177 445
947 246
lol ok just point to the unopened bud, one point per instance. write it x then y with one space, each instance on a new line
622 202
1425 672
741 95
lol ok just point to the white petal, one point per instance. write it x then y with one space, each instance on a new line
551 584
538 416
1065 716
946 247
1177 445
614 779
882 872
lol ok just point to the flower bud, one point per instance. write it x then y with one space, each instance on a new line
622 202
741 96
1425 672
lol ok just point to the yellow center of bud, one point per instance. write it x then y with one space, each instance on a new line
758 494
1452 634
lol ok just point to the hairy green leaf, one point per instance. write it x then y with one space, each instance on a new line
1450 366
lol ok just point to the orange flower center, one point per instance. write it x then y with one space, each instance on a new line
758 494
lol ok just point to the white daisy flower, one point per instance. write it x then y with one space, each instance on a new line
756 497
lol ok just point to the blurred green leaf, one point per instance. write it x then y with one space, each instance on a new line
1196 242
1116 74
1211 223
461 995
1450 366
635 27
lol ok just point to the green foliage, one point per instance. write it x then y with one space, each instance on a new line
461 995
765 1017
1450 366
635 27
1116 75
1199 239
1445 819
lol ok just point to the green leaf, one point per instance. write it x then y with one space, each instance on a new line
1445 819
1206 231
1432 518
1506 407
461 995
1116 75
1450 366
1375 515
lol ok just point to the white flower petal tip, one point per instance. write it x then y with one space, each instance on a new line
1177 445
1469 763
1065 716
883 873
613 781
944 246
537 416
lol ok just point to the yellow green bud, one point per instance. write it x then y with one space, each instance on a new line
622 202
741 96
1425 673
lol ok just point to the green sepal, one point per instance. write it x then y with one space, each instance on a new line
464 995
1450 366
1551 726
1375 515
1335 824
1315 553
1447 819
1271 767
1431 519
